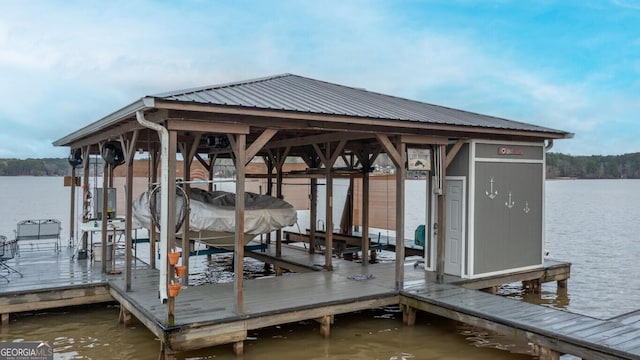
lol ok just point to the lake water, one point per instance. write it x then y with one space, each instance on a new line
593 224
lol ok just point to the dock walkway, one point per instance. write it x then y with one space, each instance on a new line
558 330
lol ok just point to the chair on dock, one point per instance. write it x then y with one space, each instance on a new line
8 249
419 239
36 231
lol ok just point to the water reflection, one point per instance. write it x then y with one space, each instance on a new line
550 295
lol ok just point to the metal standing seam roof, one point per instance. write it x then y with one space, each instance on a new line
294 93
288 92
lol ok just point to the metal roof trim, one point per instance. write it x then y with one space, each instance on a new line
114 117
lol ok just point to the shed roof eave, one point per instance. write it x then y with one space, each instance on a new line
109 120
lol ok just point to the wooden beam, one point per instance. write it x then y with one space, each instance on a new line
424 140
203 162
207 126
320 139
337 152
454 151
260 142
390 150
327 120
107 134
321 156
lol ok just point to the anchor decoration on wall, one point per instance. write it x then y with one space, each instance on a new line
491 193
526 207
510 203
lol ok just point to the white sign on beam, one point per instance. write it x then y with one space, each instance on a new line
418 159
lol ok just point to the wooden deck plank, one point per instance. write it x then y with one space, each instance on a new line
602 328
632 345
618 332
631 319
621 339
545 320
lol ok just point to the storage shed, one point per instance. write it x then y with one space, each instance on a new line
495 209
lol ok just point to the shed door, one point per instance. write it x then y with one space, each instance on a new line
454 231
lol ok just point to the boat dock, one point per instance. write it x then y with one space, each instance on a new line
205 315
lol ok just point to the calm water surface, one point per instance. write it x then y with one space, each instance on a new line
593 224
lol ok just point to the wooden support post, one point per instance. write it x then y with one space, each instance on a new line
544 353
129 146
532 286
4 319
72 207
279 195
398 155
166 353
188 153
562 284
124 317
269 162
186 176
346 219
441 171
490 289
400 175
408 315
239 149
365 217
86 160
328 158
238 348
103 231
279 160
328 240
313 215
171 220
325 325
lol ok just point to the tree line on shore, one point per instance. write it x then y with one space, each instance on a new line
559 165
625 166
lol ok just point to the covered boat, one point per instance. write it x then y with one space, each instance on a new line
212 214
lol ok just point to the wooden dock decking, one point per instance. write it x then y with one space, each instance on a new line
558 330
205 315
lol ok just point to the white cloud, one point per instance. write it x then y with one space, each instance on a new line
74 64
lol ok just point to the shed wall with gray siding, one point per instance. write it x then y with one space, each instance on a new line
508 226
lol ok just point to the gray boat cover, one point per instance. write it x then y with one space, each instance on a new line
215 211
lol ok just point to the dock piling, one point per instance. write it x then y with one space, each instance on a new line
408 315
238 348
544 353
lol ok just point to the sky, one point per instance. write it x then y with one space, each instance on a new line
568 65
